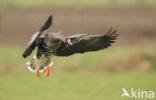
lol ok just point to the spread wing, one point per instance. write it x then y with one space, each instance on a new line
85 43
33 42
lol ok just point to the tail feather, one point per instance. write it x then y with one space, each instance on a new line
31 65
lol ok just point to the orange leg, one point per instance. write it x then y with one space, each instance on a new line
46 72
38 69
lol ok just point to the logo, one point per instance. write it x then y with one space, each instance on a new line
138 93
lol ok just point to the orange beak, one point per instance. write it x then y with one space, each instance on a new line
69 42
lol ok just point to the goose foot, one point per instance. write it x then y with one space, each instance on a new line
47 71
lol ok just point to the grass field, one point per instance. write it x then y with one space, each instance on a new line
112 59
74 2
25 86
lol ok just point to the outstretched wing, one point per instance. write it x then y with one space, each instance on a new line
33 42
85 43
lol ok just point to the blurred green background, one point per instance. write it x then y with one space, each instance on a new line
129 63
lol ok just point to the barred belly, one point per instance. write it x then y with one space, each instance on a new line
51 48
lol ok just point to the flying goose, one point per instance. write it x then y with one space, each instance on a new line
57 44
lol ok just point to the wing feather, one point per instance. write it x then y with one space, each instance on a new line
85 43
33 42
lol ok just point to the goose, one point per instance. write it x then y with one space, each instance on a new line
57 44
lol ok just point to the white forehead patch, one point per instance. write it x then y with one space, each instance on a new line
69 40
